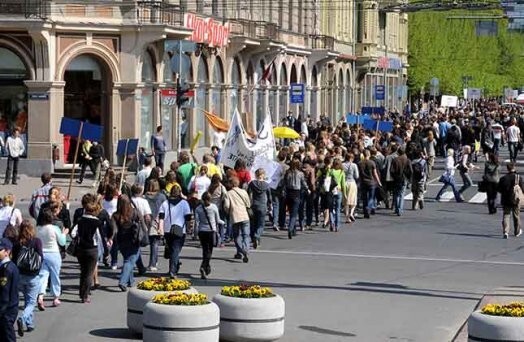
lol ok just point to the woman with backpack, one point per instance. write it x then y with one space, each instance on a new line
126 222
9 215
155 198
207 220
87 231
294 184
52 237
218 193
28 256
491 179
326 197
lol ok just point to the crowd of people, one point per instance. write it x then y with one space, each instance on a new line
322 178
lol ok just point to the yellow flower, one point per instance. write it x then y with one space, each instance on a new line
163 284
180 298
514 309
247 291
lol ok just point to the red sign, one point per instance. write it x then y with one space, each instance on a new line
207 30
172 93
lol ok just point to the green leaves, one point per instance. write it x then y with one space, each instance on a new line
449 49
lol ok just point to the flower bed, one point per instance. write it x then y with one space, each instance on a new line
138 297
497 322
181 317
250 313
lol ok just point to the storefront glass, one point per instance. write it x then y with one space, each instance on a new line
216 97
201 94
283 101
235 84
167 111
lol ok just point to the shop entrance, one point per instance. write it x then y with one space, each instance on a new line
86 98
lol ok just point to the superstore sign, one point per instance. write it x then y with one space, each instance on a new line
207 30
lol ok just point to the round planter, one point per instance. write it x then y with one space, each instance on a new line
181 323
136 300
251 319
483 327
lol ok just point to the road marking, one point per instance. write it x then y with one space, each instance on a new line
394 257
480 197
409 197
447 196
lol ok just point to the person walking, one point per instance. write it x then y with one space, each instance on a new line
85 160
88 231
236 204
448 177
40 195
464 167
401 172
155 198
126 222
490 179
97 154
369 180
9 215
259 192
513 138
175 222
418 180
29 283
294 184
52 237
339 176
158 146
15 149
351 193
8 292
429 145
207 220
510 205
218 194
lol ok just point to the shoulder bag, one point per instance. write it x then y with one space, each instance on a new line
28 260
248 207
176 230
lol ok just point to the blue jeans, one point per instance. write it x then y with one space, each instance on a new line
368 198
451 183
114 253
241 235
279 210
154 241
334 216
513 150
51 269
175 244
29 285
466 179
398 197
130 255
258 221
292 202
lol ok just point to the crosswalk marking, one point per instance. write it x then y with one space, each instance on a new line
447 196
409 197
480 197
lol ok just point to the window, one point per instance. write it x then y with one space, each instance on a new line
147 105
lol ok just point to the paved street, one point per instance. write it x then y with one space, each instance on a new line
410 278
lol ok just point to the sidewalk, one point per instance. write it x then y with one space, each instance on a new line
26 186
503 295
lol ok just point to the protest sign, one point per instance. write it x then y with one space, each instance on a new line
238 146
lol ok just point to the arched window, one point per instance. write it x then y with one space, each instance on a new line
218 80
236 81
201 94
260 110
284 86
314 94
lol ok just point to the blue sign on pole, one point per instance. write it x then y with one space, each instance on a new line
380 92
89 131
132 147
296 92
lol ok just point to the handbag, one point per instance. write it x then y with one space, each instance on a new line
176 230
72 248
28 260
215 231
248 207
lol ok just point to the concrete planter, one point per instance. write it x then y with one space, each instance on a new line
181 323
136 300
483 327
251 319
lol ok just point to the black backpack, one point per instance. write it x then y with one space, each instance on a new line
418 170
28 261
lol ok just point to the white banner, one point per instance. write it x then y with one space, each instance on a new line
474 94
269 166
238 146
448 101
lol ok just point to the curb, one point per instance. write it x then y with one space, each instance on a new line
502 295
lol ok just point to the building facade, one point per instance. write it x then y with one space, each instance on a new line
110 63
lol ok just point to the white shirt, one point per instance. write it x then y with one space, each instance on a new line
513 134
174 214
450 165
142 205
6 217
304 128
110 206
200 184
15 147
218 139
497 131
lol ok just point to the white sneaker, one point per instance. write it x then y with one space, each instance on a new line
505 236
154 269
114 267
519 233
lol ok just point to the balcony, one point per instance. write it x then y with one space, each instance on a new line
95 11
265 30
321 42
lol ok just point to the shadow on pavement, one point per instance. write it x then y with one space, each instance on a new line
116 333
326 331
489 236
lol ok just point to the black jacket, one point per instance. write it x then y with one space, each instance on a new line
9 279
505 187
401 169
